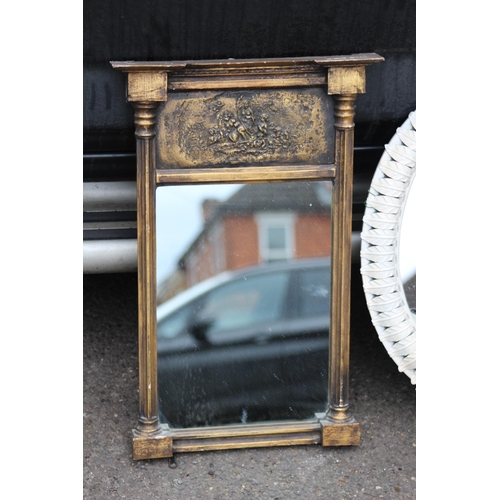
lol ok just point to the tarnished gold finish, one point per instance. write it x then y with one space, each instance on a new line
340 433
341 259
245 175
235 121
145 118
273 127
147 87
247 436
349 80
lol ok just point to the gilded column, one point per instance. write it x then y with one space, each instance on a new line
145 119
341 259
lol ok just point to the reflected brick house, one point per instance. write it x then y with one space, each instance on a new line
259 223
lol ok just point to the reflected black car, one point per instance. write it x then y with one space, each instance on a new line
246 346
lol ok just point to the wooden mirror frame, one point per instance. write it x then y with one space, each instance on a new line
149 84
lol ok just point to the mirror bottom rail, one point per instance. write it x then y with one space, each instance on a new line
258 435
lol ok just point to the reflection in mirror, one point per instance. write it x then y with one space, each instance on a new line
408 248
243 302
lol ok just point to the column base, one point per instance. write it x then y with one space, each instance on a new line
159 445
342 433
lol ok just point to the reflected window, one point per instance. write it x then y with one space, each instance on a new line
276 236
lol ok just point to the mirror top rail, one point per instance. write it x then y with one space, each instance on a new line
236 175
363 59
150 81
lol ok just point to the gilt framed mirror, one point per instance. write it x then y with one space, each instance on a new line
243 291
284 126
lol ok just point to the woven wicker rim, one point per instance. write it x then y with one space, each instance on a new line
380 241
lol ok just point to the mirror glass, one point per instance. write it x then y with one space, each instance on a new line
408 247
243 287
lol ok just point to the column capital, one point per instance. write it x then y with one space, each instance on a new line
145 119
344 110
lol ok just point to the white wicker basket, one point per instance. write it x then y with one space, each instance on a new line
391 316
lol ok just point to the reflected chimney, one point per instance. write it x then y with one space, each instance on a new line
209 206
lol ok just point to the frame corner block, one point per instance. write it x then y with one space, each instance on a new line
340 434
157 446
147 86
346 80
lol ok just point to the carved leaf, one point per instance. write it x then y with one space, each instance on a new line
402 154
408 365
379 236
397 332
389 187
396 170
379 220
378 254
403 347
413 119
381 303
408 138
385 204
380 286
379 269
390 318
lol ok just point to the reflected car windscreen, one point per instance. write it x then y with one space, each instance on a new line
248 301
177 323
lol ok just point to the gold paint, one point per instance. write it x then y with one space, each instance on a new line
207 129
341 259
147 86
158 446
239 114
350 80
245 174
347 433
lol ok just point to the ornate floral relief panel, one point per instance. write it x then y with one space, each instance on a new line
275 127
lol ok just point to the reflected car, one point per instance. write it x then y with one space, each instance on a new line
246 346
